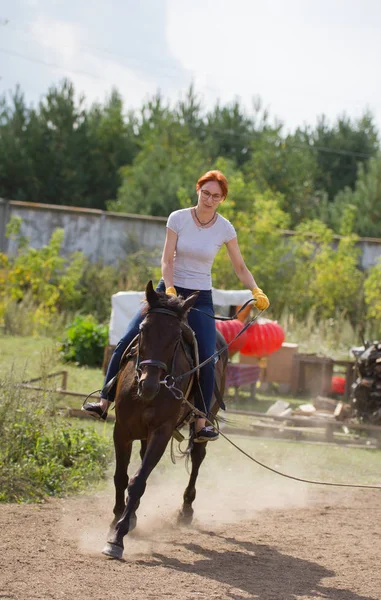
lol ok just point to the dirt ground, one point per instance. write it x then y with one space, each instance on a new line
283 543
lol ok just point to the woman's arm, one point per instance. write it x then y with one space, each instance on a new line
261 301
168 257
239 265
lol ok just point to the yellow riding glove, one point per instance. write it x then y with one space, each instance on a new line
170 291
261 300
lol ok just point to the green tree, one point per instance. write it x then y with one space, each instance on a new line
365 198
63 162
189 112
286 164
169 159
113 142
340 149
60 153
18 145
326 279
228 133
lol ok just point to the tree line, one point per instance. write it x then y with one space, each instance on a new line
147 160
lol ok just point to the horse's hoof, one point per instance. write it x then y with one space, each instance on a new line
184 518
113 550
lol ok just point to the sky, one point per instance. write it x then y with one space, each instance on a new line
301 58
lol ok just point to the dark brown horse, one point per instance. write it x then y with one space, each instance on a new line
147 409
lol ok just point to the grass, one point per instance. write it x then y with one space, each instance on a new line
28 357
311 461
43 454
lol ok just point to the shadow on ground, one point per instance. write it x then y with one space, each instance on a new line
259 570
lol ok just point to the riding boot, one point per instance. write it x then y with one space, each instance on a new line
95 409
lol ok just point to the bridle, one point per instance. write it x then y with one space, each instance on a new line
152 362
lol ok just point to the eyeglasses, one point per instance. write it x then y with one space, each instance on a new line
215 197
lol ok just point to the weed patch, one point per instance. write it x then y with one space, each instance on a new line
41 453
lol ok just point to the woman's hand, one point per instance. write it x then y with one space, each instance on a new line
170 291
261 300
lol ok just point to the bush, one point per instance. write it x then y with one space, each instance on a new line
372 292
85 341
41 453
40 281
39 288
97 284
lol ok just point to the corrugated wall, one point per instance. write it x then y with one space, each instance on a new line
98 234
104 235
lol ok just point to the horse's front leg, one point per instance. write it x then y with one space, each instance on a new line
156 446
133 517
122 457
198 454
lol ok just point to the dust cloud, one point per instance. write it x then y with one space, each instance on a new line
230 489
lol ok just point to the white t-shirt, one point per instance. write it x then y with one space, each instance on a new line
196 248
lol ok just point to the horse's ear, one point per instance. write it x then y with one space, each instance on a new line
189 302
151 295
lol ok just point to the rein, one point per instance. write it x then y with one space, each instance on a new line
222 350
226 318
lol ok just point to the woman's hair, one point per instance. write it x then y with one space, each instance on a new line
214 176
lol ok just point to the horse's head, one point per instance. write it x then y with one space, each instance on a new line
159 338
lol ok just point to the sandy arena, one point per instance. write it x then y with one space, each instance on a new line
272 540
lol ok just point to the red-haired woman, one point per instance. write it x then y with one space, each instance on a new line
194 236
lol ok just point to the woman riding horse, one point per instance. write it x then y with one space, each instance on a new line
193 238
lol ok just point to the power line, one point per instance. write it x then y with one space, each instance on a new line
46 64
285 143
229 132
301 146
133 58
332 150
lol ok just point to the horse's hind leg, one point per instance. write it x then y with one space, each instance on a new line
198 453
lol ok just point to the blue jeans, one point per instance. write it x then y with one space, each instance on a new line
204 328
